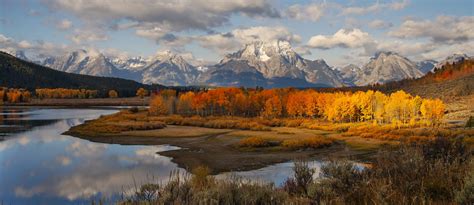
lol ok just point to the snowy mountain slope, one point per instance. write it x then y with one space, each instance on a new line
387 67
170 69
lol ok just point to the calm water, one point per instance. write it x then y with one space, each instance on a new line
39 165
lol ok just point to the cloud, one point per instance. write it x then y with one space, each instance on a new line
154 19
444 29
344 38
64 24
379 24
376 7
81 36
311 12
303 50
407 48
227 42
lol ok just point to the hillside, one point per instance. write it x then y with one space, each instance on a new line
17 73
451 80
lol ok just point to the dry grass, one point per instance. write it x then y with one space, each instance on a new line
315 142
215 122
172 131
119 122
254 142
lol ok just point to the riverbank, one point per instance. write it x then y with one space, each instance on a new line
226 143
218 150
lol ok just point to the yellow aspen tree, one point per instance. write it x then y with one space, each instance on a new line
113 94
158 106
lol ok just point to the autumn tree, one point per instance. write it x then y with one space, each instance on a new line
141 92
158 106
432 111
2 95
184 105
113 94
273 107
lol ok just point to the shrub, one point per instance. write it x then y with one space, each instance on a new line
302 178
254 142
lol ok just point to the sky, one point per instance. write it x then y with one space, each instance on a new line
203 31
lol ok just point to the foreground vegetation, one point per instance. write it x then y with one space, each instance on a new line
438 172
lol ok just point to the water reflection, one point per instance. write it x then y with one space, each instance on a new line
41 166
276 173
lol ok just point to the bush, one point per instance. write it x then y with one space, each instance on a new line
254 142
307 142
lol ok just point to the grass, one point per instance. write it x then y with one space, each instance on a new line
255 142
172 131
315 142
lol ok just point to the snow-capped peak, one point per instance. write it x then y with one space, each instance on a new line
387 66
264 51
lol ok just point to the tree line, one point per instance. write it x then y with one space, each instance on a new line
370 106
14 95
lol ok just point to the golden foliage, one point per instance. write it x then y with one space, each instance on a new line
158 106
141 92
63 93
113 94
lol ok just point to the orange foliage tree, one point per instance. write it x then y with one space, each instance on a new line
158 106
113 94
398 108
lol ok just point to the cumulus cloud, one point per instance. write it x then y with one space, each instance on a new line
311 12
407 48
154 19
64 24
376 7
344 38
81 36
39 48
444 29
380 24
226 42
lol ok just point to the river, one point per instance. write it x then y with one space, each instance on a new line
39 165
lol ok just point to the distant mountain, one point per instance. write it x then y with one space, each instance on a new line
270 64
349 74
266 64
134 63
89 63
169 68
18 73
387 67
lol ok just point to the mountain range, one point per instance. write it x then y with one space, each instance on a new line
18 73
265 64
